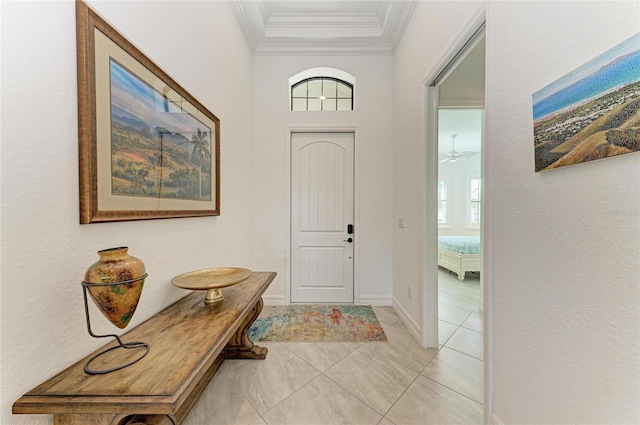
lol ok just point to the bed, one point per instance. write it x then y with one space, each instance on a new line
460 254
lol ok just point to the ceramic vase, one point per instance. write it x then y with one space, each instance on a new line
117 302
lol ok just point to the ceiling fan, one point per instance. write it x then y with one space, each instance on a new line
453 156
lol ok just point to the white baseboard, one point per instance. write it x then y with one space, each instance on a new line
274 300
407 320
378 300
495 420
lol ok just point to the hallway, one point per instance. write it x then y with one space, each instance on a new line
361 383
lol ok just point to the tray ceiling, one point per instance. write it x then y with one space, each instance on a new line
301 27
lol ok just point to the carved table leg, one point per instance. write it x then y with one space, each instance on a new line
148 420
240 346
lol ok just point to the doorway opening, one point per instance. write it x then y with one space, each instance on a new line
456 90
460 126
459 217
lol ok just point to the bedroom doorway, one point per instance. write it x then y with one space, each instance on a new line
459 222
455 122
453 290
460 190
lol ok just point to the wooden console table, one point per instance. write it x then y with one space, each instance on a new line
188 343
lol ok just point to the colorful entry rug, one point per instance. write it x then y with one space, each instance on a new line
317 323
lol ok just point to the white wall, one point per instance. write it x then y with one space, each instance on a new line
44 249
457 175
566 243
373 122
464 87
564 248
433 28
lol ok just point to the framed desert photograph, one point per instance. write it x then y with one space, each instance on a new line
147 148
591 113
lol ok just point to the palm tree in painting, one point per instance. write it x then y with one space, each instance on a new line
200 151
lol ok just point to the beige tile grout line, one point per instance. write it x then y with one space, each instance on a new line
321 373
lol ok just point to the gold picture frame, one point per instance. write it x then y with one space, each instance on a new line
147 148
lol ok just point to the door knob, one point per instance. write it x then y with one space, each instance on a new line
348 240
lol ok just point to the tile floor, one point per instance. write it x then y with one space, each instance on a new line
391 383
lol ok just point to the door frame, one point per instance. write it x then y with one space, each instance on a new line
356 204
429 205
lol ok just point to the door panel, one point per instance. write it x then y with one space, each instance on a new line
321 208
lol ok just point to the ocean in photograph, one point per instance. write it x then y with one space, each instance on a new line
623 71
592 112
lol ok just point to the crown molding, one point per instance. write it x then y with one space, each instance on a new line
404 13
243 18
337 50
377 31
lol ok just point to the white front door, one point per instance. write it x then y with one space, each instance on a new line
322 179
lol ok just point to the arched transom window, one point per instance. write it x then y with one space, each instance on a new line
322 89
322 94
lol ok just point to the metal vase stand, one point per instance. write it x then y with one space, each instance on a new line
126 345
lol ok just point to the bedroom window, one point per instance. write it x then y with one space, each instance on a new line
474 186
442 202
322 89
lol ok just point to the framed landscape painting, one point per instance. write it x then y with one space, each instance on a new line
147 148
591 113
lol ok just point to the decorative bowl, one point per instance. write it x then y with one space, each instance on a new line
211 280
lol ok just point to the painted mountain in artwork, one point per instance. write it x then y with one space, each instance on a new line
157 149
